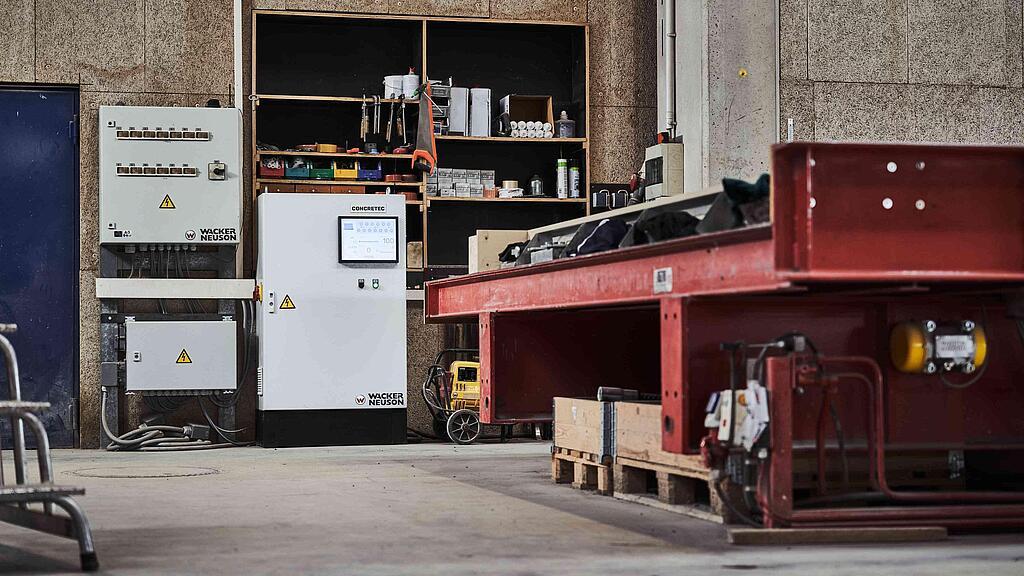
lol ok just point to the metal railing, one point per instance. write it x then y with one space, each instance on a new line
16 499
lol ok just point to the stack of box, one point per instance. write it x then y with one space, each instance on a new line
460 182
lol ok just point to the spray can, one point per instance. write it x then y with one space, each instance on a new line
574 180
562 178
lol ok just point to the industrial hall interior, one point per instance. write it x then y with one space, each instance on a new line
512 287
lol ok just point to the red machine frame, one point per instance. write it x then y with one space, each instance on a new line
861 236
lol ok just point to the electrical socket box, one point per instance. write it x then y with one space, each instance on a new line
170 175
663 170
173 356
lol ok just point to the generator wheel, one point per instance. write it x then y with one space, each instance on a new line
464 426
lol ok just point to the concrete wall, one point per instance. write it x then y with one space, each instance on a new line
179 53
902 70
725 102
136 52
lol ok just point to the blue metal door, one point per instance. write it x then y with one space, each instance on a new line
39 249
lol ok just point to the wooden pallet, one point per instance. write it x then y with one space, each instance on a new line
684 490
584 470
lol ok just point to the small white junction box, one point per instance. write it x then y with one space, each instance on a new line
170 175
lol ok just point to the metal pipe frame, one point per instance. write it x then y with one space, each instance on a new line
775 482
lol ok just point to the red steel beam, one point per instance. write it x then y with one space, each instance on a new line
841 213
737 261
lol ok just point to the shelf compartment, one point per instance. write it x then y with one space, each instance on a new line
356 99
334 155
477 199
337 182
510 139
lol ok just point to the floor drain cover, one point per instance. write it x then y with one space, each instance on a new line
143 472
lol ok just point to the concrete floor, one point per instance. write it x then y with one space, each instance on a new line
417 509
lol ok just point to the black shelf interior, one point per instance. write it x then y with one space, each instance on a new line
288 123
513 160
527 59
448 242
316 56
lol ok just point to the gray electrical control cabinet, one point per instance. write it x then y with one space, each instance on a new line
170 175
172 356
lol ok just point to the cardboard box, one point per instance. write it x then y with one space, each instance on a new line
486 245
414 254
528 108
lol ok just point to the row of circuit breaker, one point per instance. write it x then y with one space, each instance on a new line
158 170
160 134
152 184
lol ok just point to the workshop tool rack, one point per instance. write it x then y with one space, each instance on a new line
313 71
861 236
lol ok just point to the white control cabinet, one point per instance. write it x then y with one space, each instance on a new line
331 321
170 175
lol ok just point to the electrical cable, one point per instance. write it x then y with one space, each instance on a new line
841 440
222 432
147 438
248 327
732 509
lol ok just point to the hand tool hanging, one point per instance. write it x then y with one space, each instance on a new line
424 158
391 121
401 121
364 123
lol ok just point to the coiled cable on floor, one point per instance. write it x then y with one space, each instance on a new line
147 438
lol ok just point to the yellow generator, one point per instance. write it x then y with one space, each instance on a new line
452 393
465 385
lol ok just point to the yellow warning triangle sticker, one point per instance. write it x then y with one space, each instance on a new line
287 303
167 203
183 358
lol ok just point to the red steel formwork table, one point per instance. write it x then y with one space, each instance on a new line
861 236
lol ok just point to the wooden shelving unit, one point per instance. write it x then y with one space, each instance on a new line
311 73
